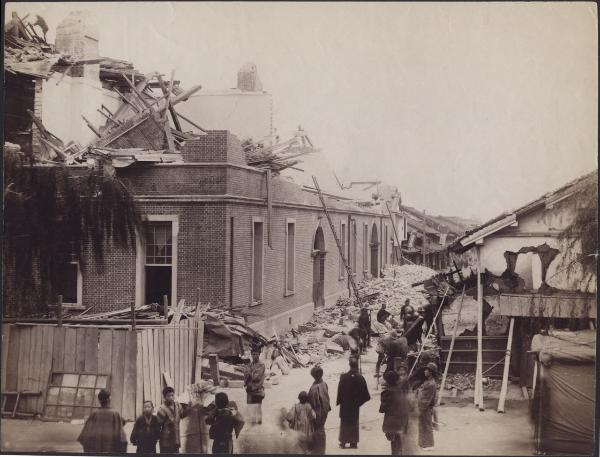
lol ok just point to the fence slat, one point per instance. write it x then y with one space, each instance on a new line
199 349
12 362
91 350
155 366
148 378
24 361
191 346
105 352
130 381
58 349
37 337
178 348
80 351
118 369
70 349
172 349
46 364
161 355
167 353
139 381
5 343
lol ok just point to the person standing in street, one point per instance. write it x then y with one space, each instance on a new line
426 398
146 431
254 380
103 430
395 407
352 394
301 417
318 397
382 314
224 419
169 417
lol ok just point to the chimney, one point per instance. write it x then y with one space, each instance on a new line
247 78
77 36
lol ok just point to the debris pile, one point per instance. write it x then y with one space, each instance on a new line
396 287
270 154
464 381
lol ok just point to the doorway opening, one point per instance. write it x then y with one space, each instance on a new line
318 256
374 251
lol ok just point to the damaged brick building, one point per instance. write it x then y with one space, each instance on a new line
215 229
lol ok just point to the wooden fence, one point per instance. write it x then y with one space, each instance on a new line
134 360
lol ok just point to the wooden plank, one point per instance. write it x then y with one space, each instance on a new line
105 352
91 350
5 342
35 373
12 362
117 373
150 347
504 388
58 349
80 351
46 364
199 349
70 349
177 374
161 353
145 365
130 379
139 380
155 365
23 364
172 350
192 352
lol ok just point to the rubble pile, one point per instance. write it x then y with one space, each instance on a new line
464 381
395 287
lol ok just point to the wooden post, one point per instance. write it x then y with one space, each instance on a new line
199 348
166 306
442 387
506 367
479 376
213 363
59 310
133 315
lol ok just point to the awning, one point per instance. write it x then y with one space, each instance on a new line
561 304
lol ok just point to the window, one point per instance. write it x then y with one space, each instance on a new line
71 283
290 259
159 261
73 395
353 245
257 260
343 243
366 248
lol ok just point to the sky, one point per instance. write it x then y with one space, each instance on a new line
470 109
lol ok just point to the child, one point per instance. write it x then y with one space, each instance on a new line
426 399
224 419
146 431
302 419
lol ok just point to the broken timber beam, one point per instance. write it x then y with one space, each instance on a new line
504 388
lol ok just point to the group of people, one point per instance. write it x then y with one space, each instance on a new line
103 431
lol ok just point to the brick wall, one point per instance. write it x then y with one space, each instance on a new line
215 146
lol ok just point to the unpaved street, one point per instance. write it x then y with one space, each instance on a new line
465 430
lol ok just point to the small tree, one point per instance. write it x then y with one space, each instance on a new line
51 214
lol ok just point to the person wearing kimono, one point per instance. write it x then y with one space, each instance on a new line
224 419
103 430
169 416
318 397
395 407
352 394
146 431
254 379
426 399
301 418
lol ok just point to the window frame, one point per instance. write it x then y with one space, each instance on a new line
342 272
287 291
140 280
254 302
365 248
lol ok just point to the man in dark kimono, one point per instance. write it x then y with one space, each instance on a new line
395 407
169 417
382 314
224 419
146 431
364 323
352 394
426 399
318 397
103 430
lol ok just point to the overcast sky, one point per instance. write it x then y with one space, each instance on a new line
469 109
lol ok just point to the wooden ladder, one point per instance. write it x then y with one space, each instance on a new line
337 242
